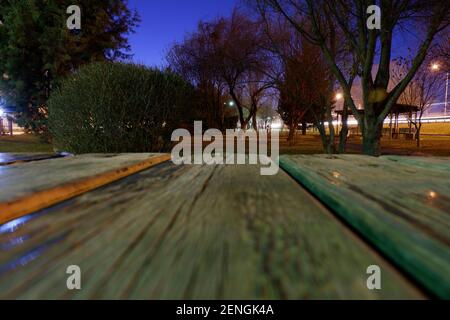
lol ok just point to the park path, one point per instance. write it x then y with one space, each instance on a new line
185 232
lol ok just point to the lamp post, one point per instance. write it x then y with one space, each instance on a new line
229 103
1 121
436 67
446 95
339 96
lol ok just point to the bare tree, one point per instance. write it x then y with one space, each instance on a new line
421 92
193 60
228 54
302 79
370 47
304 92
242 62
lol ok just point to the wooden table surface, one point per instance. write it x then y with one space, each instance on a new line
11 158
399 204
204 232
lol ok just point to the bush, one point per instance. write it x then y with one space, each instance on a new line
118 107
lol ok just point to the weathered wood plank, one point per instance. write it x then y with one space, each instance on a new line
192 232
400 204
13 158
31 187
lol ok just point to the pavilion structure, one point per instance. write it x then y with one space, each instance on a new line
393 131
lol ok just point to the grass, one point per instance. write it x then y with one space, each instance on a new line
433 128
24 143
431 143
309 144
430 146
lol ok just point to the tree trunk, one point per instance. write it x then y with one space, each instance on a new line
331 147
371 137
327 142
291 137
304 128
255 125
343 140
344 131
417 136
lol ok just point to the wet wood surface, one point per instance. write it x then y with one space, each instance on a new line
20 180
192 232
38 185
13 158
400 204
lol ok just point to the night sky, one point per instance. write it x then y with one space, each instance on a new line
167 21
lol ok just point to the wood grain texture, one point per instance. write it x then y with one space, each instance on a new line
192 232
400 204
66 178
14 158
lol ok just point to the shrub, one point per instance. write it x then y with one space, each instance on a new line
118 107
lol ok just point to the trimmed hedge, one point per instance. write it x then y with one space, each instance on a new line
117 107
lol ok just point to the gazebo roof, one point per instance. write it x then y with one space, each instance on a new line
404 108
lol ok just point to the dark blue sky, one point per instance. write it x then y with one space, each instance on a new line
167 21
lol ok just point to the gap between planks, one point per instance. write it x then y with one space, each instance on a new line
363 236
25 159
11 210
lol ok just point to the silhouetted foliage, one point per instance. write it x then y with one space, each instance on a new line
226 58
37 50
117 107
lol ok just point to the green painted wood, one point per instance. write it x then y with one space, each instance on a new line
400 204
192 232
25 178
11 158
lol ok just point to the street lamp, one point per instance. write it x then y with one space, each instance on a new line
339 96
436 67
230 103
2 113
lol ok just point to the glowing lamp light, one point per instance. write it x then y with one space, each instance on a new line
231 103
432 195
276 125
339 96
435 67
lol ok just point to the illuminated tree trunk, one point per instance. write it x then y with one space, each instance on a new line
344 131
291 138
304 128
371 132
